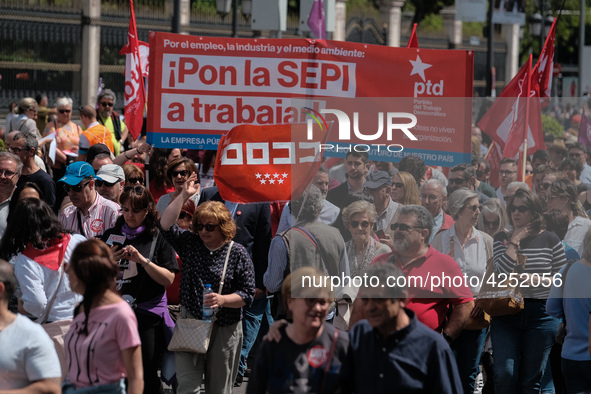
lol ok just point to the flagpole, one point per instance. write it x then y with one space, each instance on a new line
529 73
489 150
524 160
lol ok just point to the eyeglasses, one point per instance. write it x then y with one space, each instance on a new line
506 172
494 223
101 183
182 173
545 185
457 181
402 227
356 223
32 109
521 208
7 174
474 207
208 227
398 185
17 150
139 190
430 198
311 302
75 188
136 180
575 155
64 111
106 104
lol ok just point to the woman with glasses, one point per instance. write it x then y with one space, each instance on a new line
203 253
299 357
178 171
25 119
404 189
37 246
147 265
134 176
360 218
67 136
493 217
522 342
562 195
471 249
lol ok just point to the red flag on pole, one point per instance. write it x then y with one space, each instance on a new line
505 121
135 96
545 64
316 20
413 41
267 163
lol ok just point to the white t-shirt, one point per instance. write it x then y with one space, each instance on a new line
27 355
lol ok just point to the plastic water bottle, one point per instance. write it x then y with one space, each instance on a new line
207 310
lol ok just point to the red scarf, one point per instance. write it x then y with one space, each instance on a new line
52 256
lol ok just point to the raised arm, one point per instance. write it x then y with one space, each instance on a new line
171 213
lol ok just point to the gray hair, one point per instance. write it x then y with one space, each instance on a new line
360 206
435 182
307 208
496 207
106 93
7 156
458 199
423 217
517 185
64 102
30 139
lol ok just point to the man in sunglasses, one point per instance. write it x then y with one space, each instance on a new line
379 185
93 134
578 152
418 259
507 174
24 145
111 120
10 172
464 175
90 214
111 182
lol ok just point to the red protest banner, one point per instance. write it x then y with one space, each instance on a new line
201 87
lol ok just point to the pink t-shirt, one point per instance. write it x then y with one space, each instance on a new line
97 358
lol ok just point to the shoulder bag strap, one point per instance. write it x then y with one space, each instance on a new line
153 247
223 275
329 361
311 238
52 299
81 228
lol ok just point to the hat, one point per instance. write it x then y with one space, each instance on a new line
377 179
76 172
111 173
96 150
558 146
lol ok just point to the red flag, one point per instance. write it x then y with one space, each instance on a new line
585 131
413 41
267 163
505 121
135 96
545 64
316 20
494 159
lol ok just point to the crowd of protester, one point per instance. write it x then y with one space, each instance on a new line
103 252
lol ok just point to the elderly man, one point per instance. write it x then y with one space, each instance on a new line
110 119
93 134
356 164
329 213
90 214
111 182
28 361
430 294
24 145
433 194
10 172
392 351
578 152
507 174
379 185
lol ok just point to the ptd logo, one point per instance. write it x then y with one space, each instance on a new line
427 87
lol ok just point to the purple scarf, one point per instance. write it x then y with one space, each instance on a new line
132 233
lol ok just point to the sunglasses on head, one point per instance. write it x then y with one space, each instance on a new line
107 104
101 183
521 208
402 227
75 188
356 223
136 180
182 173
207 227
139 190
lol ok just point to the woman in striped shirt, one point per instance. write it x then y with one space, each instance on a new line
522 342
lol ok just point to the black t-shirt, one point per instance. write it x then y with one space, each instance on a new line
133 278
45 183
